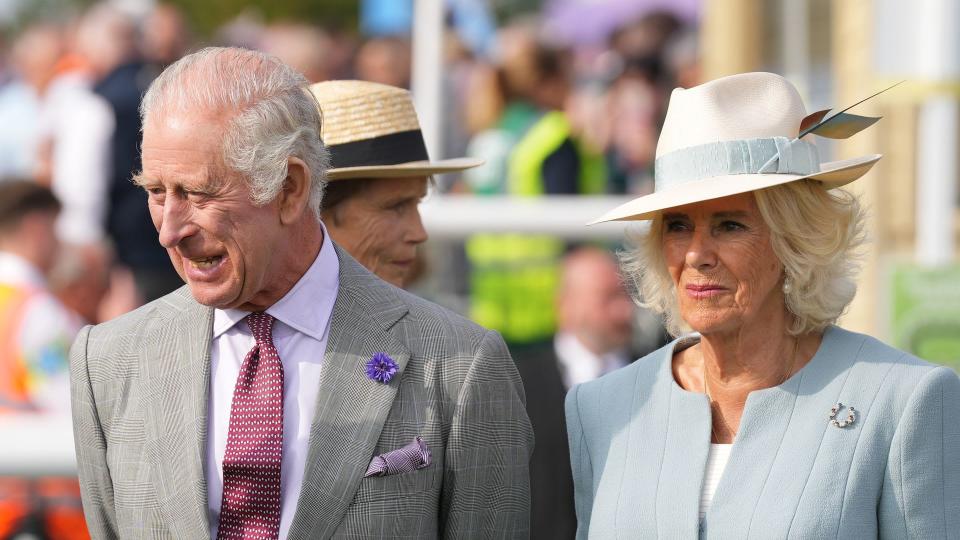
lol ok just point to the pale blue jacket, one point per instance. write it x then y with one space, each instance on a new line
639 443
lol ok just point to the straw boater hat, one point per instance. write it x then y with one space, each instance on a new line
372 131
738 134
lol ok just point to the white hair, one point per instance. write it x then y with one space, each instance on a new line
815 233
272 115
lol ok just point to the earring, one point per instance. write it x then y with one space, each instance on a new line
787 285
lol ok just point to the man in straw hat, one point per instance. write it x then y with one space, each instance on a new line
379 173
285 392
764 418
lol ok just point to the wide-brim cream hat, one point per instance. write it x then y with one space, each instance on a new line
372 131
735 135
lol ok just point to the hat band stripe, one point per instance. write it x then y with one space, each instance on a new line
392 149
774 155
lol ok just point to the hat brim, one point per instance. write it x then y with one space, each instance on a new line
832 174
413 168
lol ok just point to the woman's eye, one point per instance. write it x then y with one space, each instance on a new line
676 226
730 226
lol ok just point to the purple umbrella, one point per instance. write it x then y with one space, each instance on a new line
587 22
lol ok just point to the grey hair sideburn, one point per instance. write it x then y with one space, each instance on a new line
271 114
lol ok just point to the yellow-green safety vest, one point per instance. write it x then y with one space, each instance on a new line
514 278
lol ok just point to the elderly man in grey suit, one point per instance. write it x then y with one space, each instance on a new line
285 392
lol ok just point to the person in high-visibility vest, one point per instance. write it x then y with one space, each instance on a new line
35 329
35 333
514 277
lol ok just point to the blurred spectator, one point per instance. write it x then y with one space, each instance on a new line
34 59
76 127
646 37
80 279
303 47
683 59
106 38
35 329
634 108
595 315
514 277
385 60
165 36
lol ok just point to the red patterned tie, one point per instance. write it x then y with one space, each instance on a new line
251 464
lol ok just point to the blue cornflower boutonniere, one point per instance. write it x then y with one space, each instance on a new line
381 367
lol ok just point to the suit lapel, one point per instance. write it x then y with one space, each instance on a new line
176 361
351 408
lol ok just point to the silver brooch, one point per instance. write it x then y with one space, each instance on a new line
851 416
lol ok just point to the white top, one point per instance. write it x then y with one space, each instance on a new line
300 335
19 133
579 364
716 463
79 124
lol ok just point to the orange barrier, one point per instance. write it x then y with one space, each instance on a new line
46 507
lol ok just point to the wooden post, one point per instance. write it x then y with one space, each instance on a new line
852 36
732 34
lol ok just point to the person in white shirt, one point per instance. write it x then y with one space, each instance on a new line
594 316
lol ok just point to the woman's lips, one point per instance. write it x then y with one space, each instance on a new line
704 291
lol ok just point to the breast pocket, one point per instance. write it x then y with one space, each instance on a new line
396 506
404 484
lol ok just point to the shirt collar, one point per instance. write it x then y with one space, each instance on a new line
16 270
580 364
307 307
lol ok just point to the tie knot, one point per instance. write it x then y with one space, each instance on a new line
261 325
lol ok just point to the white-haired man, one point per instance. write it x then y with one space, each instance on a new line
286 392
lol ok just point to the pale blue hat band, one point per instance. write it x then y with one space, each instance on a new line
774 155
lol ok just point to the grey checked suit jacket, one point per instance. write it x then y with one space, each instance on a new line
139 393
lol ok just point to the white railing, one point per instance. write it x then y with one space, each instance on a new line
448 217
36 444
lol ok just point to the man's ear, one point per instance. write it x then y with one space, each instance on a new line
294 198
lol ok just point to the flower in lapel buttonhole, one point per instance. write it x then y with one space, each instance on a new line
381 367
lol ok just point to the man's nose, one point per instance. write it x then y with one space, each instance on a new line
416 234
175 225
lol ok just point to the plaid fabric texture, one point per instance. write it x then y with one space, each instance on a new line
140 386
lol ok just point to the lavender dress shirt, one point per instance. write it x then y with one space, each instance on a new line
300 335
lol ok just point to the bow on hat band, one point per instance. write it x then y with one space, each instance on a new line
773 155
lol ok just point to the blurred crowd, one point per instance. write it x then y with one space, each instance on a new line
548 115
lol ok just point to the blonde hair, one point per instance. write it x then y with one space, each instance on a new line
815 233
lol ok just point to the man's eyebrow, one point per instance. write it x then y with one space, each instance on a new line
139 179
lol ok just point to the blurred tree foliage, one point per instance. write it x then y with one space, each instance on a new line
208 15
508 9
30 11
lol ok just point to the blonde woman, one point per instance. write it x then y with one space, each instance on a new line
764 419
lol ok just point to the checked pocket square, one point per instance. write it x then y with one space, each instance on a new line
411 457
